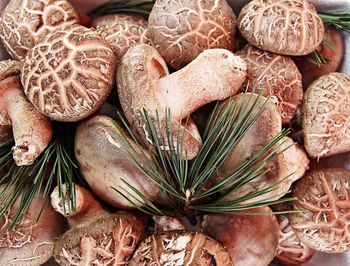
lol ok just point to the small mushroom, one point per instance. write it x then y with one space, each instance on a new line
69 73
326 115
250 239
167 223
31 130
323 202
275 75
180 248
24 23
145 83
103 159
290 27
180 31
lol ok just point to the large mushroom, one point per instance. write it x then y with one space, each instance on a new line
181 30
24 23
69 73
144 82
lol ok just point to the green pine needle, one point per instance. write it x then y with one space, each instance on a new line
142 7
339 19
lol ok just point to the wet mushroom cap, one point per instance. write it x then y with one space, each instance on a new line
324 197
290 27
180 31
24 23
326 115
69 74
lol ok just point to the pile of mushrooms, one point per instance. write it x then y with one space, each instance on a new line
183 57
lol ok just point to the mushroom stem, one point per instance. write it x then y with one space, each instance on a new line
32 131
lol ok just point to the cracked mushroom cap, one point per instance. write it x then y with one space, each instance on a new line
275 75
181 30
289 27
109 240
24 23
326 115
180 248
323 195
69 74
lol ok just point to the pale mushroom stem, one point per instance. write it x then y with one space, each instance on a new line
31 130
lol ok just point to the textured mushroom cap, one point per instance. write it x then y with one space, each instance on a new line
69 73
324 197
168 223
24 23
9 68
250 240
289 27
291 251
180 248
30 243
326 115
181 30
121 31
275 75
110 239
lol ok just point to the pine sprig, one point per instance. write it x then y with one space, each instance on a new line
339 19
142 7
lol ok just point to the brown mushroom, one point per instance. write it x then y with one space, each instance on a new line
69 73
180 248
97 237
180 31
31 130
30 243
24 23
290 27
326 115
144 83
103 159
275 75
323 201
250 239
168 223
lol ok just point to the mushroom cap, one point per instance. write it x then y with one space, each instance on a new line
326 115
69 73
180 248
181 30
290 27
112 238
121 31
324 197
275 75
9 68
291 251
24 23
246 243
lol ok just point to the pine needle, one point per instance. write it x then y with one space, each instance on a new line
339 19
142 7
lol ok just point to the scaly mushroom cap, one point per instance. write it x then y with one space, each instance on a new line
250 240
168 223
110 240
326 115
121 31
289 27
180 248
275 75
69 73
291 251
180 31
24 23
323 195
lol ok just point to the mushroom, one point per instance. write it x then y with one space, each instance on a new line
145 83
24 23
30 242
275 75
31 130
291 251
103 159
180 248
96 237
323 203
326 115
250 239
69 73
180 31
168 223
290 27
